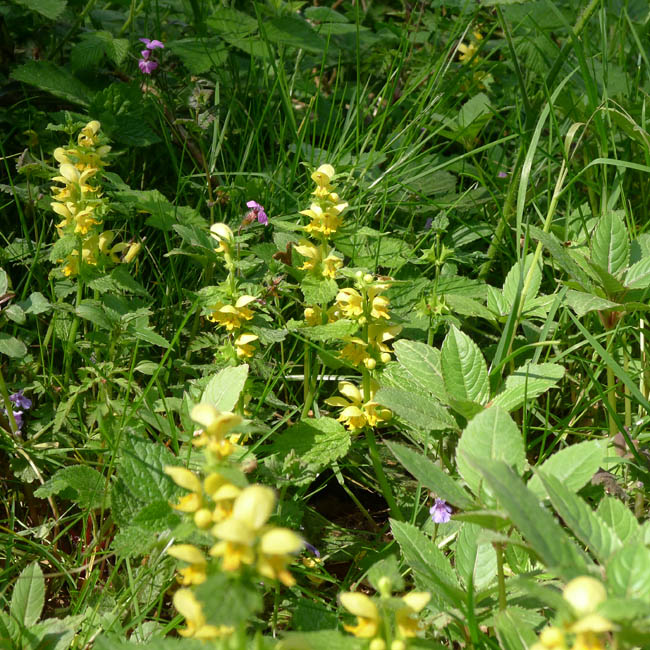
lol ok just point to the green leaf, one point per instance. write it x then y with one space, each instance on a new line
223 390
638 275
51 9
231 22
317 442
79 483
156 517
387 567
147 334
610 247
574 466
11 346
242 602
53 79
476 561
463 368
296 32
547 538
628 572
119 280
329 332
321 640
4 282
28 597
422 362
582 302
489 519
492 435
35 304
200 54
514 282
513 630
620 519
527 383
93 311
15 314
420 412
430 475
430 567
578 516
318 291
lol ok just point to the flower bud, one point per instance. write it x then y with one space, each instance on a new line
367 278
377 644
385 357
551 637
358 275
203 518
398 644
584 594
132 252
385 586
221 232
370 363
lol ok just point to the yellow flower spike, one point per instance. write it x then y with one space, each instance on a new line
231 316
331 264
189 607
243 344
313 315
584 594
350 302
355 351
467 52
368 620
215 427
592 623
323 175
60 155
195 573
406 617
87 137
311 252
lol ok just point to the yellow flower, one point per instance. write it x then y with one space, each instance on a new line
224 235
355 351
195 573
584 594
311 252
188 480
275 548
406 617
189 607
368 619
223 493
378 304
231 316
244 346
88 135
331 264
323 175
350 302
552 638
314 315
357 411
215 427
467 52
326 221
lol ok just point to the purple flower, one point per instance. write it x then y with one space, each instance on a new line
258 211
18 416
147 67
440 512
312 549
428 224
502 175
20 400
151 45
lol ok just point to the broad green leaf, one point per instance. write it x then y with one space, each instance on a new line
79 483
386 567
147 334
574 466
318 291
321 640
488 519
527 383
35 304
15 314
422 362
420 412
330 331
430 475
242 602
93 311
491 435
620 519
431 568
11 346
117 281
296 32
463 368
628 572
55 633
496 303
611 285
317 442
476 561
514 632
583 303
200 54
231 22
4 282
638 275
610 247
53 79
51 9
514 282
596 535
465 306
224 389
28 597
156 517
545 535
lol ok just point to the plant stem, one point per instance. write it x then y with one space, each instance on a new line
72 334
4 393
498 547
611 391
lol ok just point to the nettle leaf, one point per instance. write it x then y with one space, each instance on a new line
610 246
582 303
318 291
223 390
476 561
493 435
431 568
628 572
331 331
323 639
318 442
293 31
463 368
35 304
242 601
28 597
526 383
11 346
638 275
147 334
516 278
420 412
513 629
545 535
574 466
79 483
53 79
578 516
422 362
51 9
620 519
430 475
4 282
200 54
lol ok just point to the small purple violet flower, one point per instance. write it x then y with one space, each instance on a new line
312 549
440 512
20 400
257 211
502 175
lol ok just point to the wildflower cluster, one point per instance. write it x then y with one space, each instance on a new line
19 404
359 409
587 628
80 204
147 64
235 516
389 623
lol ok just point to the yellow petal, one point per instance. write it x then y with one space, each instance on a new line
280 541
254 505
360 605
244 300
234 530
187 605
417 600
187 553
184 478
350 391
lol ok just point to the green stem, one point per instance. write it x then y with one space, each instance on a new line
8 405
72 334
611 391
500 576
307 382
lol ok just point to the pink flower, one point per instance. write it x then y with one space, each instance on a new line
440 512
258 211
151 45
147 67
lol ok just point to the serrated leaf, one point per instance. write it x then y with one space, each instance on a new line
420 412
496 303
53 79
463 368
574 466
620 519
147 334
476 561
318 291
638 275
224 389
487 519
430 567
296 32
493 435
79 483
156 517
514 282
547 538
94 312
610 246
199 54
527 383
117 281
318 442
465 306
628 572
28 597
422 363
330 331
513 630
4 282
51 9
11 346
430 475
592 531
242 602
583 303
35 304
